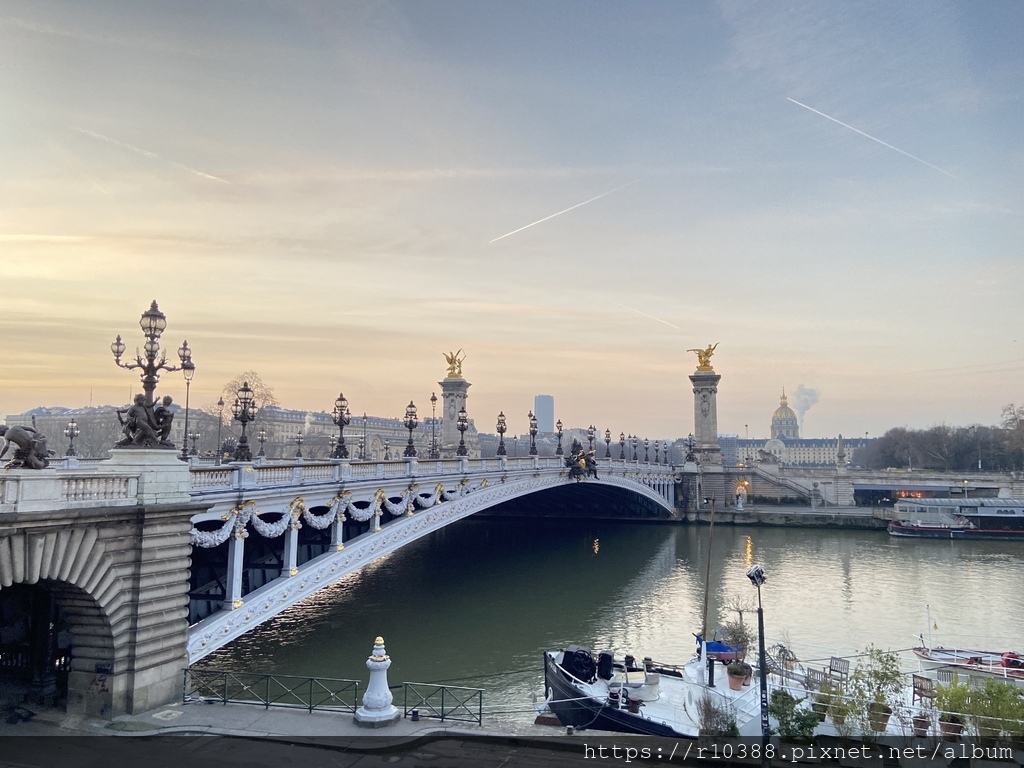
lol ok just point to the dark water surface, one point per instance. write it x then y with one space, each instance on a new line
477 603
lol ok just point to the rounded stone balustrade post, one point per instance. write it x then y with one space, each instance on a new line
377 710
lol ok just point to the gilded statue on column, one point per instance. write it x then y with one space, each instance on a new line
454 360
704 358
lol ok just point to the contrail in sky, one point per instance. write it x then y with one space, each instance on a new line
571 207
652 317
869 136
147 153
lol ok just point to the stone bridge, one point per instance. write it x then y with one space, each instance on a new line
115 575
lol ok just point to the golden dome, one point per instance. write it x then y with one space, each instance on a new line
783 411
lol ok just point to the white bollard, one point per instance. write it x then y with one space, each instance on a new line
377 710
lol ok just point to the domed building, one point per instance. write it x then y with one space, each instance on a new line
785 425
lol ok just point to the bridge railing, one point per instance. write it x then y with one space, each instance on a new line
309 693
444 702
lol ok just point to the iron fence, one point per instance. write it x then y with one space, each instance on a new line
309 693
445 702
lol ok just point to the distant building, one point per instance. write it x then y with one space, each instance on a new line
544 410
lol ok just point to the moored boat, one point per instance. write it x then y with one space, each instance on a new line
953 518
1004 664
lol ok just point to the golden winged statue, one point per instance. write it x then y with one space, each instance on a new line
454 360
704 357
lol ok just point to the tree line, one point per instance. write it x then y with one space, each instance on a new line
946 448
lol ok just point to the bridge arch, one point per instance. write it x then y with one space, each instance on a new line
419 513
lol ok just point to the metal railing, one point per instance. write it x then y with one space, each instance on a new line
445 702
309 693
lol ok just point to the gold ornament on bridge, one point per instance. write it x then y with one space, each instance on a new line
704 358
454 360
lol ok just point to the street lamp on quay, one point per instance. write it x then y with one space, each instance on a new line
590 437
533 434
220 423
342 417
558 431
607 443
188 369
262 437
501 433
153 322
756 575
622 445
411 422
462 424
71 431
433 425
244 412
194 437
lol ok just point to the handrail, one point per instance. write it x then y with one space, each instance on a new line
309 693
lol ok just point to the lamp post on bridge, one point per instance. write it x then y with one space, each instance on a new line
533 434
194 437
656 447
244 412
590 437
515 446
342 417
622 445
332 443
387 449
411 422
558 431
153 322
433 425
262 437
647 453
220 423
607 443
298 446
462 424
71 431
636 441
501 433
188 370
362 444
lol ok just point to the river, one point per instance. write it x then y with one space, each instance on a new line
477 603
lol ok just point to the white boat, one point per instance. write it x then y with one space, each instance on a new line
967 661
602 693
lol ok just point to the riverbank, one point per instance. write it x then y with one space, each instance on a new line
802 517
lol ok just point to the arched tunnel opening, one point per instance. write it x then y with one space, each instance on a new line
582 500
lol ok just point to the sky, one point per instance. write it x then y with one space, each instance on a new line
336 194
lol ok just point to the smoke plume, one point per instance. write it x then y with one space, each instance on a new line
802 400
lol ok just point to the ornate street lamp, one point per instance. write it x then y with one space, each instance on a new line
71 431
220 423
153 322
194 437
501 433
262 437
635 440
689 448
558 430
188 369
387 449
462 424
298 445
433 425
590 437
332 442
411 422
657 446
622 445
647 453
341 416
244 411
756 575
515 446
533 434
607 443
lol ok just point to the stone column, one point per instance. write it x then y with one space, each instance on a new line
453 397
377 710
705 417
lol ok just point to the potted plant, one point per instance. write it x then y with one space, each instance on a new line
738 635
992 709
824 697
716 718
952 701
875 687
796 723
739 674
